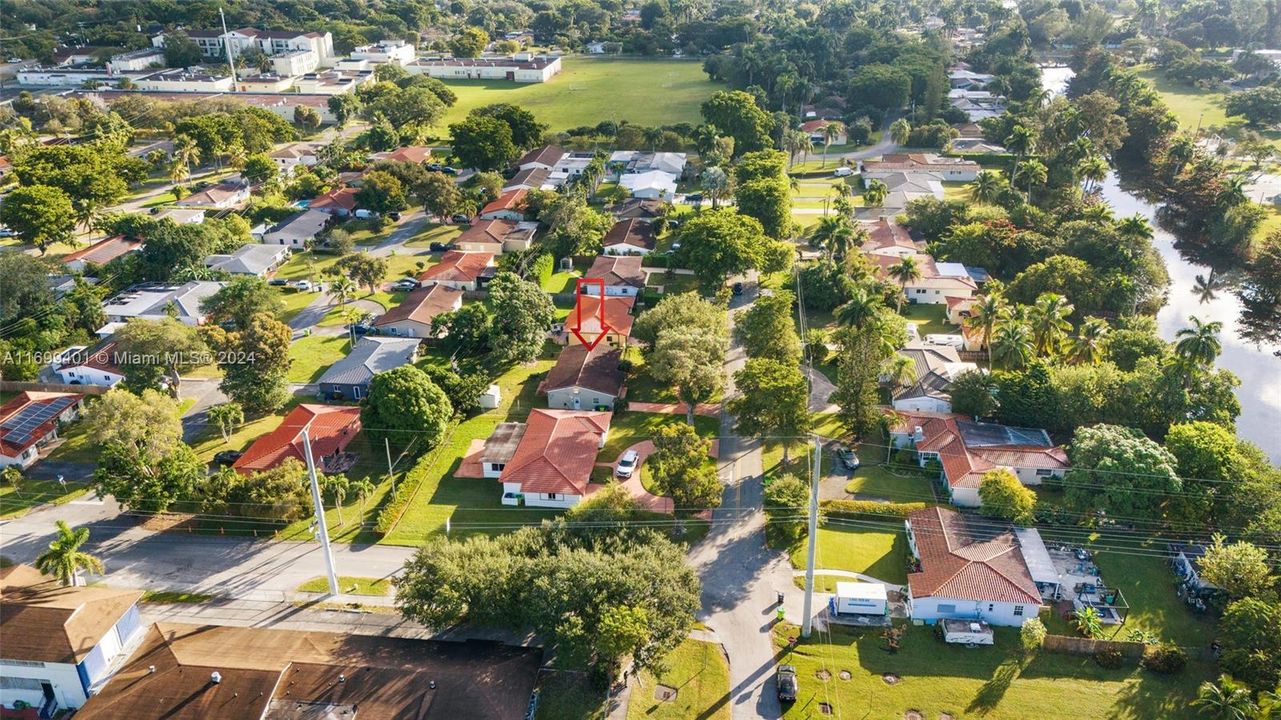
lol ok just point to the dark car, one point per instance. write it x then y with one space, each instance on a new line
737 288
227 457
448 170
394 216
439 247
278 282
787 687
435 167
848 459
460 218
361 329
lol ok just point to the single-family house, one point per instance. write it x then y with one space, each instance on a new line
652 185
290 157
349 378
496 236
546 461
328 428
938 281
508 206
817 132
58 645
208 672
183 216
459 270
637 208
101 252
963 79
83 365
973 570
949 169
534 178
298 230
417 154
936 367
585 379
967 449
222 196
153 301
902 188
30 420
255 260
544 157
635 162
975 146
630 237
414 315
958 309
887 237
585 317
340 202
622 275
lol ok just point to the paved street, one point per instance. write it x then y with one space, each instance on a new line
740 575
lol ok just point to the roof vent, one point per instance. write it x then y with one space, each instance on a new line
432 684
215 677
342 678
151 669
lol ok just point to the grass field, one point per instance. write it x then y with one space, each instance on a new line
876 482
698 672
929 319
995 683
879 553
591 90
312 355
349 585
1197 107
1148 585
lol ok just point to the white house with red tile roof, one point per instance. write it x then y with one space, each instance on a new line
950 169
974 570
937 283
546 461
967 449
816 131
886 237
508 206
83 365
102 252
30 420
622 275
330 428
458 270
340 202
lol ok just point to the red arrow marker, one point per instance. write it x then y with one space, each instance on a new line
598 314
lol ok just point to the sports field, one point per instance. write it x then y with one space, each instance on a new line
590 90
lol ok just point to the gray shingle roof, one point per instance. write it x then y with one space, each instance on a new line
372 355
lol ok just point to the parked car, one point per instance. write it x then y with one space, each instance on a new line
449 171
361 328
461 218
227 457
434 167
439 247
394 216
843 172
848 459
278 282
627 464
406 284
303 285
787 685
737 288
6 232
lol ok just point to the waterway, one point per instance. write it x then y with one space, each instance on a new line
1258 367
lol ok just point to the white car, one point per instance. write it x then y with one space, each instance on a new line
405 284
627 464
843 172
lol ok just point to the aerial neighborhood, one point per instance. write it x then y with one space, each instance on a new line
640 360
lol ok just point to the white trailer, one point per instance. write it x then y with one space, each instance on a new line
861 598
967 632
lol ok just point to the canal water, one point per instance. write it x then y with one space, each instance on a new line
1258 367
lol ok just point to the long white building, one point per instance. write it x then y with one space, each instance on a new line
521 68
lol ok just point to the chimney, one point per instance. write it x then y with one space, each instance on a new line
215 677
918 434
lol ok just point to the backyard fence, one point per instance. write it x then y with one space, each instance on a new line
15 386
1090 646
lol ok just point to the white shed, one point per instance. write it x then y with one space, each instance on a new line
861 598
491 398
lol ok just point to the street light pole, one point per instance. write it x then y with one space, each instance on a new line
321 528
807 616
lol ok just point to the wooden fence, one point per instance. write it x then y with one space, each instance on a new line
1089 646
16 386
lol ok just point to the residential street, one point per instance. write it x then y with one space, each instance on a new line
740 575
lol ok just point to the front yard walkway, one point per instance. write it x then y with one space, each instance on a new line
645 499
704 409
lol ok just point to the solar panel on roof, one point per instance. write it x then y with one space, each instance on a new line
29 419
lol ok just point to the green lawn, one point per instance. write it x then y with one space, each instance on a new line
434 233
956 191
672 284
1197 107
929 319
175 596
629 428
989 682
877 482
29 494
561 282
590 90
700 675
349 585
1149 588
313 354
879 553
210 442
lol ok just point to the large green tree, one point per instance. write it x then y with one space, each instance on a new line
772 401
152 351
483 143
1118 470
1250 633
719 243
1003 496
766 329
404 405
240 299
736 114
522 314
255 363
40 214
680 468
527 132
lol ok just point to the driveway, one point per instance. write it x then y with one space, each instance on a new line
821 390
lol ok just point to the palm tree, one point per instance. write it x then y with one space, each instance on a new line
185 154
900 131
842 189
1033 172
1135 227
1087 346
1097 212
236 155
804 145
1199 344
364 489
860 310
875 193
1093 170
1021 141
653 136
716 184
1012 345
64 559
1224 700
899 370
904 271
705 138
1049 322
832 130
987 186
985 314
835 234
226 417
341 290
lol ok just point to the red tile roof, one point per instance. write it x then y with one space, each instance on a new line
457 266
331 428
413 153
813 126
964 463
919 161
618 270
960 561
100 253
885 233
510 200
344 198
422 305
557 452
633 231
15 441
618 315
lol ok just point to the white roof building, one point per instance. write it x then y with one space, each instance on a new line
153 301
650 185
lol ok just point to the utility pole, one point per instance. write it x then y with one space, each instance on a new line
322 528
387 446
807 616
226 46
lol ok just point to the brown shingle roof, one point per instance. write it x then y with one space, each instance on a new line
547 155
595 370
457 266
41 621
633 231
557 452
422 305
492 233
618 270
510 200
960 560
100 253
